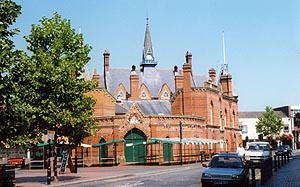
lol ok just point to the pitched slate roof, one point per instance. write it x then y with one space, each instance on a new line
258 114
148 107
154 78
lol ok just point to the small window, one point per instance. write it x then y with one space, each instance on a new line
144 95
166 94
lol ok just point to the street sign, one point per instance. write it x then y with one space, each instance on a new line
297 120
50 135
64 158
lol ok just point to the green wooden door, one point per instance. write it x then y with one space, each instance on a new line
135 150
167 151
103 151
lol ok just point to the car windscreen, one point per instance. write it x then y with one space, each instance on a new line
258 147
226 162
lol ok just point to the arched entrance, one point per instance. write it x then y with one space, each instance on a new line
135 150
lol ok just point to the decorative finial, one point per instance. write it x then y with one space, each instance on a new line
147 19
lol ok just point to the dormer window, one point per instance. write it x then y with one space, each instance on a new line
144 95
166 94
120 96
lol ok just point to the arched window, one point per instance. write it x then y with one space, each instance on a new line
221 114
211 112
225 118
233 119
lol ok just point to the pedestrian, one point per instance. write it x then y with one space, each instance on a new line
240 150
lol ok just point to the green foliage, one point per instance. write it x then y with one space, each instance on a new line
51 87
9 11
44 91
269 123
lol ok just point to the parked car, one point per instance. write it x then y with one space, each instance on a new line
16 161
225 169
284 148
257 151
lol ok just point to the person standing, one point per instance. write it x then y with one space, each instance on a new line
240 150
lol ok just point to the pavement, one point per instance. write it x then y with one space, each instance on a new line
38 177
287 176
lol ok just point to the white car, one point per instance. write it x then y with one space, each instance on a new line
257 151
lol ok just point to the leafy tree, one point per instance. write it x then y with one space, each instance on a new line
10 119
51 90
269 123
51 87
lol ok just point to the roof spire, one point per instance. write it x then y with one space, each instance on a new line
148 54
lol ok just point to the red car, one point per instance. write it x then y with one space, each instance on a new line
16 161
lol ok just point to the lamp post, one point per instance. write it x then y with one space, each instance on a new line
180 133
114 145
50 136
48 163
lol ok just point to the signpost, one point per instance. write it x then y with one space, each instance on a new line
50 136
48 163
64 159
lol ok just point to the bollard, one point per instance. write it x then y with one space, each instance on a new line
262 172
275 163
278 160
202 157
253 175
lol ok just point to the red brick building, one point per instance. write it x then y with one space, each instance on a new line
161 115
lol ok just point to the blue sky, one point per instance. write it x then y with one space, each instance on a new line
262 39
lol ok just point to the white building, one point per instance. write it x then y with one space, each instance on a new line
248 120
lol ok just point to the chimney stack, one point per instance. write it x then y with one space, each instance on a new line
96 78
134 84
212 75
106 55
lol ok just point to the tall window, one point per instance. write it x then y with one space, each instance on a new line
211 112
233 119
220 114
225 118
220 119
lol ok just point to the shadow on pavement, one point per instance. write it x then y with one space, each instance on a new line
43 179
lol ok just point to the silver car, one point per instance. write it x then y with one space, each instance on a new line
225 169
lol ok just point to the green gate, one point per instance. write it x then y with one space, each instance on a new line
135 150
167 151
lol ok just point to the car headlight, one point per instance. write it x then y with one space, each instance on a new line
206 175
236 176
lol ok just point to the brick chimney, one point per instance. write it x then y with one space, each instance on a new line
187 90
106 55
226 83
178 78
134 84
96 78
212 75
